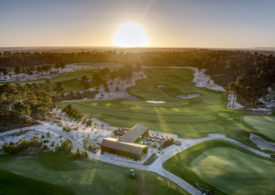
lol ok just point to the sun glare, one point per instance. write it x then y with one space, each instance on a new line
130 35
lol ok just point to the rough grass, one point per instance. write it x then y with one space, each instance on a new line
189 118
85 176
224 167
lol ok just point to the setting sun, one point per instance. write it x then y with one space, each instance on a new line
130 35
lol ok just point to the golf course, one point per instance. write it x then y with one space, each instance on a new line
224 167
149 97
58 173
160 104
188 118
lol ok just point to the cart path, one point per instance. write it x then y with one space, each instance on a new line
156 166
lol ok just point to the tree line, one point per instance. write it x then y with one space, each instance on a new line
252 72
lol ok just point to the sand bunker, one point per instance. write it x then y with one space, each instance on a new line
233 104
201 79
188 96
160 86
261 143
155 102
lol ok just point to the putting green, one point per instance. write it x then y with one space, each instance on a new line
225 167
85 176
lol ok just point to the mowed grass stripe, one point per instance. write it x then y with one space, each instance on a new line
86 176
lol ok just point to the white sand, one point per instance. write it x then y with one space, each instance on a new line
201 79
188 96
269 99
259 110
160 86
261 143
155 102
117 88
233 103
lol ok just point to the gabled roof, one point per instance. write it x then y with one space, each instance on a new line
123 146
134 133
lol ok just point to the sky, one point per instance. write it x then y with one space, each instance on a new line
167 23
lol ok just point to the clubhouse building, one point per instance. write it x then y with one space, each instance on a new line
126 145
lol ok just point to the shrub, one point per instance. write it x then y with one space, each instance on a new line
77 153
21 145
88 122
45 147
84 154
72 112
66 146
90 147
81 154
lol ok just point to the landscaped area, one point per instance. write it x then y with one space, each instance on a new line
165 102
188 118
64 174
136 97
224 167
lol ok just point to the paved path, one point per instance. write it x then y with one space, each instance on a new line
156 166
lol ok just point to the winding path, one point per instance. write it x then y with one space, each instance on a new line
156 166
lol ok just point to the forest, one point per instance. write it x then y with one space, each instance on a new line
245 72
21 104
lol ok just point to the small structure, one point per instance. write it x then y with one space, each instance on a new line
135 133
127 149
126 145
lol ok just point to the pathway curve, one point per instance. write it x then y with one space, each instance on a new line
156 166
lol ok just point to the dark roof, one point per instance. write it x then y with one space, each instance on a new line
123 146
134 133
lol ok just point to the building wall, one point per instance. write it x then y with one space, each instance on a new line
122 153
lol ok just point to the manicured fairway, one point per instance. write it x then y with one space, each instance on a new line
262 124
225 167
84 176
189 118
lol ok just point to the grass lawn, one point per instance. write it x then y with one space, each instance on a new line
224 167
265 125
189 118
15 184
81 176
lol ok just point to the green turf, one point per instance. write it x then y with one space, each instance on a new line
262 124
189 118
85 176
224 167
15 184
